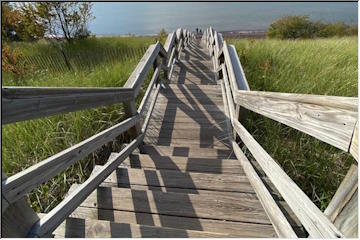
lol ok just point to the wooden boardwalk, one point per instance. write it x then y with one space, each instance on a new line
183 174
186 182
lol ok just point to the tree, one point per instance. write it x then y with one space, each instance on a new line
29 27
9 20
66 20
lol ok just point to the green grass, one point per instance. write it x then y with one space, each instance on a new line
321 66
29 142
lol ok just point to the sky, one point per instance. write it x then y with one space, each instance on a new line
113 18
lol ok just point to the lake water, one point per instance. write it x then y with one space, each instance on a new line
148 18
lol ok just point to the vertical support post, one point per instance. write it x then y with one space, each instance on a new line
130 110
18 217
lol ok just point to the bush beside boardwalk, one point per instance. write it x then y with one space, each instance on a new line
319 66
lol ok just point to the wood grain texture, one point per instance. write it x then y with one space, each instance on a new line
185 164
186 151
25 103
314 221
326 118
57 215
210 206
280 223
237 229
354 146
87 228
16 186
17 219
343 194
138 75
347 220
123 176
147 94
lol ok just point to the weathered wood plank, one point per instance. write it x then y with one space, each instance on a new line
170 41
187 142
86 228
147 94
138 75
277 218
192 152
327 118
314 221
185 164
16 186
343 194
347 220
56 216
237 229
151 108
209 206
176 179
281 225
25 103
354 145
17 219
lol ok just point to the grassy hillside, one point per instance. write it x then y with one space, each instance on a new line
28 142
321 66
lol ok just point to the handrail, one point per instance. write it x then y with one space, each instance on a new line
329 118
25 103
43 99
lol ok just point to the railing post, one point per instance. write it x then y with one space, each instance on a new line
130 110
18 217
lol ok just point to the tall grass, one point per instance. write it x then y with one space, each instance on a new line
321 66
29 142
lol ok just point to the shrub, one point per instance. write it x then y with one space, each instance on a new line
292 27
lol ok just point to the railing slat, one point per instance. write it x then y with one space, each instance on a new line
326 118
138 75
146 97
343 194
24 103
16 186
56 216
277 218
314 221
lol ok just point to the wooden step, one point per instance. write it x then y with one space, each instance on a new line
184 164
183 142
198 94
193 73
210 135
124 177
192 87
195 81
91 228
189 108
189 152
210 206
237 229
187 121
188 100
209 128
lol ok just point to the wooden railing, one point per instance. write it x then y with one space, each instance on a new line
330 119
24 103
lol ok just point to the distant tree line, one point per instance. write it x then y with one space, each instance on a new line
293 27
30 21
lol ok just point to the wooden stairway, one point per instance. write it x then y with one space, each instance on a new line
185 180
